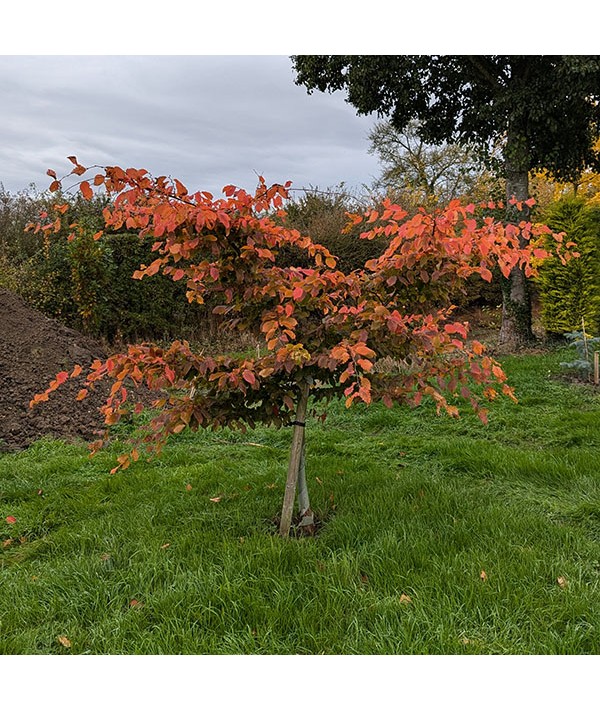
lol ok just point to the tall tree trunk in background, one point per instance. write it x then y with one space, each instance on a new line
516 330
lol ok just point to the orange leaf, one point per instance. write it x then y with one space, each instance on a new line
86 191
11 519
76 371
82 394
188 487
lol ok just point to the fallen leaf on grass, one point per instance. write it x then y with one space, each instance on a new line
188 487
40 492
270 486
65 641
562 582
7 543
483 575
216 499
164 545
135 603
105 556
11 519
405 599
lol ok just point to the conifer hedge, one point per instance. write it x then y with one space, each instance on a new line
571 292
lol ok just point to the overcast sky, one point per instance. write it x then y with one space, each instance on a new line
207 120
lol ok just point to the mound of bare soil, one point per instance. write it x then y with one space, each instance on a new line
33 348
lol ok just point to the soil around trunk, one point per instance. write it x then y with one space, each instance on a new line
33 348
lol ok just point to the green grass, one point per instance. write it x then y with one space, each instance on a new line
417 505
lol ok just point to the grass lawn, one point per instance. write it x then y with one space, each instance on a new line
443 537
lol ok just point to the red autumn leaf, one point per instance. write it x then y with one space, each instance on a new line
298 293
11 519
51 173
54 186
249 377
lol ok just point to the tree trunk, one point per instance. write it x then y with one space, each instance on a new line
516 330
296 457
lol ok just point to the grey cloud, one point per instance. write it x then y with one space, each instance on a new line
207 120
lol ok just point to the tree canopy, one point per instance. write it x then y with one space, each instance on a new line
551 102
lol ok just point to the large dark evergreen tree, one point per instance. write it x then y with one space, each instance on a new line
545 109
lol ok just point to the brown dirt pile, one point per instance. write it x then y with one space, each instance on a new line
33 348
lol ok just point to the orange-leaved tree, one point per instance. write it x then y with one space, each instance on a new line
381 333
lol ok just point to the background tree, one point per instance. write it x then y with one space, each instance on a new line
416 173
326 332
545 109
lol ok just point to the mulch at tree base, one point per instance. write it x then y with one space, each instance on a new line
33 348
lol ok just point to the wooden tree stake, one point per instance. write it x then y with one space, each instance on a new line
295 462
